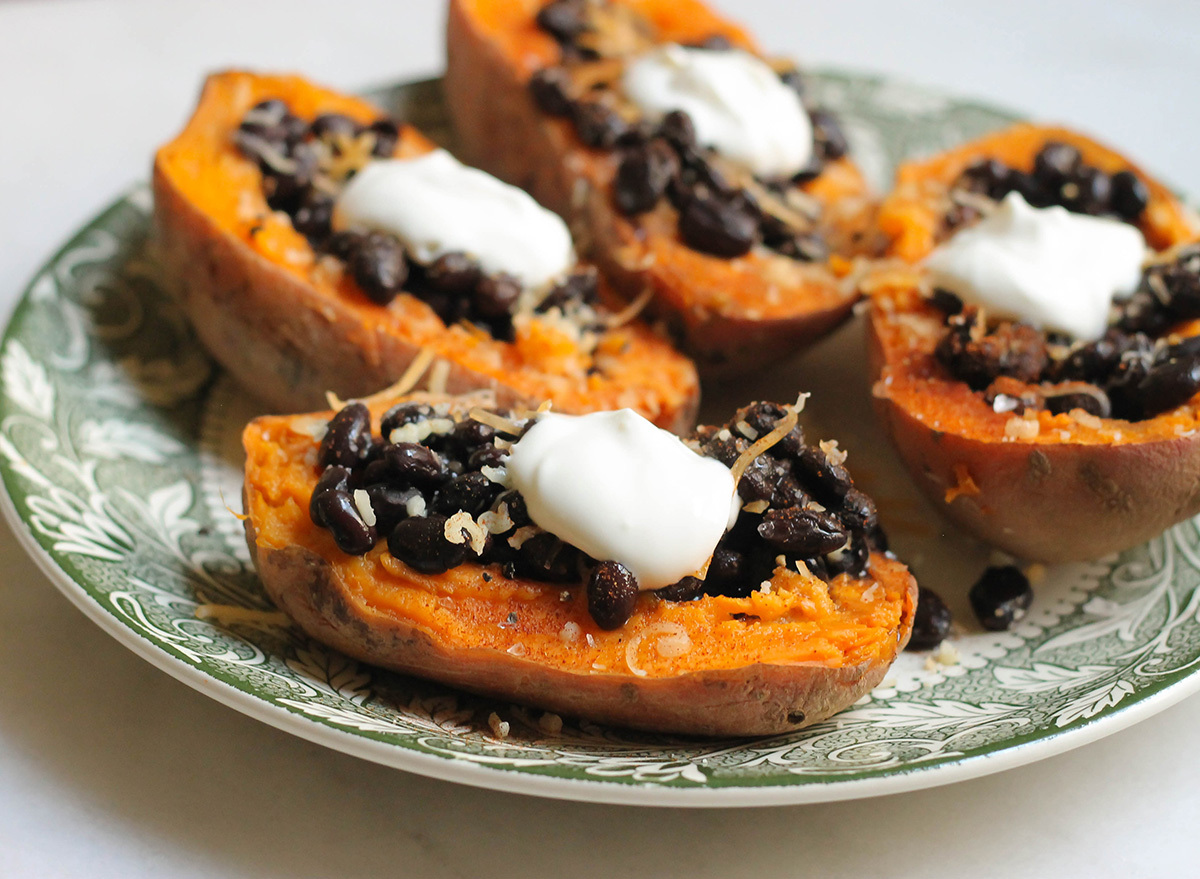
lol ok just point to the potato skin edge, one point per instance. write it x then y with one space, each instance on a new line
752 700
1047 502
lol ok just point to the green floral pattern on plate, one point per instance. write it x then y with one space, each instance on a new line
119 447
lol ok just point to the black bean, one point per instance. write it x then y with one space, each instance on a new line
313 216
343 244
1089 362
564 19
1000 597
581 286
931 622
330 126
1032 189
877 539
726 451
988 177
643 175
789 492
1055 163
1087 192
828 481
1168 384
851 560
685 589
858 512
597 124
402 414
544 557
758 482
335 478
763 418
341 516
379 267
979 358
495 295
612 594
390 504
420 542
347 438
828 137
412 464
255 139
1143 311
720 226
1129 196
285 190
294 129
1183 286
469 435
1076 395
486 456
678 129
516 508
637 133
802 532
707 175
471 492
454 273
945 301
728 567
550 88
387 135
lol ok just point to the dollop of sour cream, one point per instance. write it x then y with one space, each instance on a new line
620 489
1047 267
436 205
738 104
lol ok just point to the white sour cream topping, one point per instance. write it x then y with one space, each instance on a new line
435 205
1045 266
621 489
737 103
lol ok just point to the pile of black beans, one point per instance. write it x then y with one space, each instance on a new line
1059 177
664 160
808 509
1129 373
292 155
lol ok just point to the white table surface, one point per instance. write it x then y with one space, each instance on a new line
109 768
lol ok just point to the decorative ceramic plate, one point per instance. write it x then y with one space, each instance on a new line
119 447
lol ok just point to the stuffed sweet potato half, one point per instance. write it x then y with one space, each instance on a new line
417 553
1049 445
296 304
579 102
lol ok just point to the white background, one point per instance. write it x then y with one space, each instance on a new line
108 768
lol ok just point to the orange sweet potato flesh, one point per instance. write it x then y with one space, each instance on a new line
731 315
291 326
1080 487
810 650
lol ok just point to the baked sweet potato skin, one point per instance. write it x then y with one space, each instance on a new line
1076 488
812 651
1050 498
731 315
290 328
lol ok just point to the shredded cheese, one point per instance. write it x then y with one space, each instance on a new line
782 428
